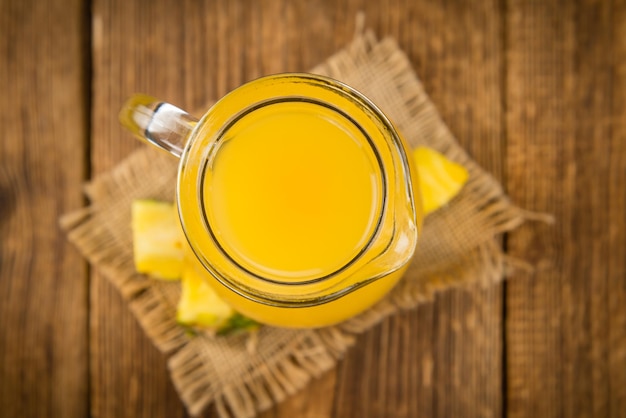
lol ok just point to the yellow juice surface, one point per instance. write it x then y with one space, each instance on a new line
293 192
297 207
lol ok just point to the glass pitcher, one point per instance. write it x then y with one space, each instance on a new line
296 194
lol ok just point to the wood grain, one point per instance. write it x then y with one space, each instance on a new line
136 48
615 341
412 363
188 53
222 44
43 286
565 155
534 90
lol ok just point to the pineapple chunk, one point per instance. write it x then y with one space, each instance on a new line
200 307
159 251
158 242
439 178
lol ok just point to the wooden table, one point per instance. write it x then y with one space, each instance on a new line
535 91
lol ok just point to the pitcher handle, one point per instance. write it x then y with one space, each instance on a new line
157 122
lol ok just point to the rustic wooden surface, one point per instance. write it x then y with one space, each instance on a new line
534 90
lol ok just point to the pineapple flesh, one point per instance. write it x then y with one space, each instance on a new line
158 242
200 307
439 178
159 251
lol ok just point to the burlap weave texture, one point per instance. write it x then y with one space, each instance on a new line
458 247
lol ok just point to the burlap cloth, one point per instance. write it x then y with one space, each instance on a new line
459 246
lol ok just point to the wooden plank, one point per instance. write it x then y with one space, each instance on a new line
210 48
565 155
218 46
137 47
188 53
443 359
43 286
616 269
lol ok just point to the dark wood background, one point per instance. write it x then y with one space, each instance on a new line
535 91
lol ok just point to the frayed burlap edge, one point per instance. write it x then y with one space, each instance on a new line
199 364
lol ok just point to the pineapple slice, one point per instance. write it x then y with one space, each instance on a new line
439 178
158 242
200 307
159 251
